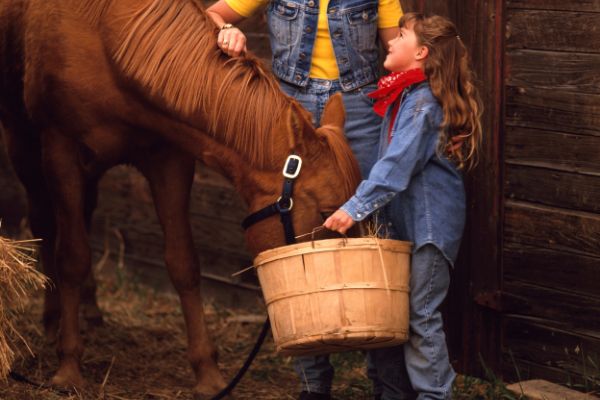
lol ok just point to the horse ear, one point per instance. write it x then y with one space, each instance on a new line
298 120
334 113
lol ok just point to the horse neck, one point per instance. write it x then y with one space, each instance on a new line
169 50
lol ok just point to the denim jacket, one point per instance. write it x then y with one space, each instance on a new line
422 191
353 31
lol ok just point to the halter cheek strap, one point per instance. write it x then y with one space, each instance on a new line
284 204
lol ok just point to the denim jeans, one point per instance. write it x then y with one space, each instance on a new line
362 124
420 369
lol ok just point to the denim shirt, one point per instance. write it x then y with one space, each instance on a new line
353 32
421 192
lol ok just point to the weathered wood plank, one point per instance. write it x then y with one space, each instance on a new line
125 208
430 6
563 151
481 25
529 370
553 188
533 341
539 389
553 269
556 5
553 110
552 228
553 30
571 311
553 70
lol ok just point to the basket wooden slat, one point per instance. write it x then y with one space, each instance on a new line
336 294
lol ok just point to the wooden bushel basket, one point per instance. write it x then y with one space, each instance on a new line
335 295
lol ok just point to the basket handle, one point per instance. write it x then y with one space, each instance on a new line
319 229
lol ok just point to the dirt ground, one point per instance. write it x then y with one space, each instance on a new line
139 353
143 338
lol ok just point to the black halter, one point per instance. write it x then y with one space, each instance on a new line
284 204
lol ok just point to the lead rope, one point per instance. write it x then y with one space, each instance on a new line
238 377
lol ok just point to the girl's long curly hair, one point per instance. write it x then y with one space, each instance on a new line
451 81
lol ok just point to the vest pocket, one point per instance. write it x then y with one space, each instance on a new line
283 22
363 27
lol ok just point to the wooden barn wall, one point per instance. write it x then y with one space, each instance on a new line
551 225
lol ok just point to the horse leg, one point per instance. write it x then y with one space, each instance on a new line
24 151
89 304
42 224
66 183
170 175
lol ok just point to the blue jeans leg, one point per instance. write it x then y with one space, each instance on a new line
421 368
426 352
315 373
362 127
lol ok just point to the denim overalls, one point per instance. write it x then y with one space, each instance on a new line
353 32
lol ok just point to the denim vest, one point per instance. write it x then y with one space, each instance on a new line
353 32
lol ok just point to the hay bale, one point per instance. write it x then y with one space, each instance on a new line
18 280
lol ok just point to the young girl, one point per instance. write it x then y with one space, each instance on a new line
430 105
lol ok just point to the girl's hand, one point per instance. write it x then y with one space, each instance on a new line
232 41
339 221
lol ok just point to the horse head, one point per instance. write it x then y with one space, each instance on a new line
327 177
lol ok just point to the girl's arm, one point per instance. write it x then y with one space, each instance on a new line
413 144
231 40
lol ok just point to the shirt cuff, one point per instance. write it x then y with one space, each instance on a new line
356 209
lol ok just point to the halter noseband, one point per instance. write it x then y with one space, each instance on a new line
284 204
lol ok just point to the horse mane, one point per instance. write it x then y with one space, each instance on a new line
169 47
343 158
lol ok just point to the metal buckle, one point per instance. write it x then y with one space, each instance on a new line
292 166
284 210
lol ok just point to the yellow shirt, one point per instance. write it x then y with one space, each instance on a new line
323 64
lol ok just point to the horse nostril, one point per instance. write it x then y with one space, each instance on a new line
326 214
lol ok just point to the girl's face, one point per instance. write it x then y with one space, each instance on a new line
405 52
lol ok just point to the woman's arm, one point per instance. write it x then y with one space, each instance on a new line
231 40
413 144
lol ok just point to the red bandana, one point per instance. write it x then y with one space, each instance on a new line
390 88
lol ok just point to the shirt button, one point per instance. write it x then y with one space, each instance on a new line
375 205
333 10
308 29
389 224
298 77
311 3
344 60
365 16
302 56
358 215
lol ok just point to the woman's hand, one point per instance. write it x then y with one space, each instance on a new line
232 41
339 221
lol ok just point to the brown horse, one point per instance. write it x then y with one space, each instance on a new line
89 84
